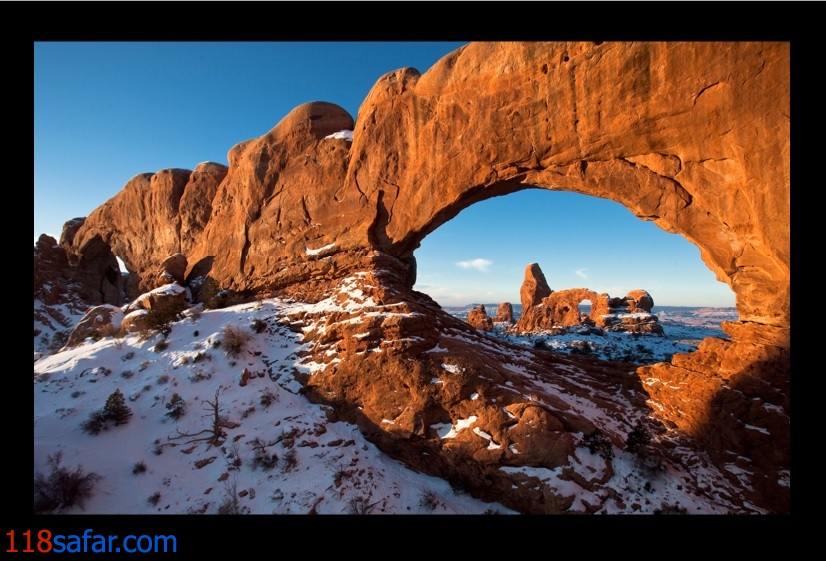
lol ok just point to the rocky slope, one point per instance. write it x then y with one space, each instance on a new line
513 427
693 136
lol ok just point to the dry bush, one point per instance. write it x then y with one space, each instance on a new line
429 500
63 487
234 339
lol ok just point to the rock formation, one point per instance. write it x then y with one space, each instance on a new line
504 314
478 318
534 287
174 269
101 321
692 136
636 301
561 308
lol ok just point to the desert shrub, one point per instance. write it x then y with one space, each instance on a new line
261 458
428 500
666 508
234 339
63 487
457 487
211 294
96 423
230 503
139 467
126 374
340 474
116 409
176 407
290 460
638 438
77 393
128 356
159 320
268 397
259 325
59 339
154 498
163 379
360 505
598 443
198 375
161 346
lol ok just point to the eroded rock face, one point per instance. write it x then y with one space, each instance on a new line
478 318
692 136
94 275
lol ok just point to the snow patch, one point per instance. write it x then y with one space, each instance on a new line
452 368
342 135
320 249
450 431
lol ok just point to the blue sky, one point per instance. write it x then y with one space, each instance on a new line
105 112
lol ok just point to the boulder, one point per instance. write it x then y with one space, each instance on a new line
639 301
164 297
478 318
101 321
174 269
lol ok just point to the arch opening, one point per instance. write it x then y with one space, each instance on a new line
595 255
584 307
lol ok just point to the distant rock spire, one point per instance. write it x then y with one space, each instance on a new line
534 287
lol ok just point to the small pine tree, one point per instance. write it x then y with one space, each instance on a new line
176 407
116 408
637 438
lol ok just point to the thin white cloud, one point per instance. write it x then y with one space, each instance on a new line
478 264
581 273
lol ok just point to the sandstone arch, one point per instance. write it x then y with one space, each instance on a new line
562 308
692 136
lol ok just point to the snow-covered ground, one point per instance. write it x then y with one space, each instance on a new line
148 467
281 454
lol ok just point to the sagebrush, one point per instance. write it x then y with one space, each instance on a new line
63 487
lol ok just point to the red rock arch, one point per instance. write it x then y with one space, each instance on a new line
693 136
